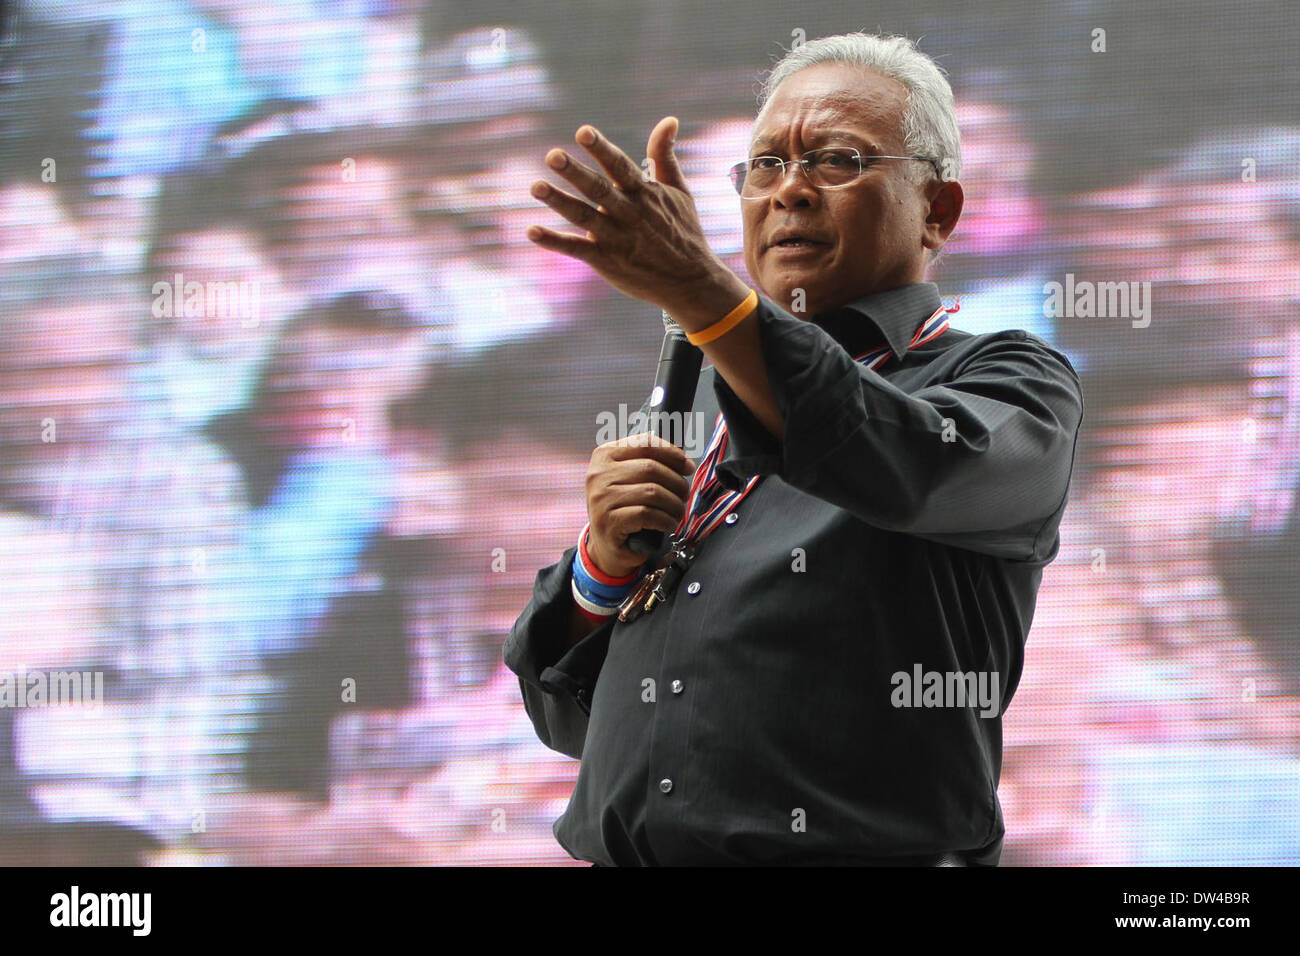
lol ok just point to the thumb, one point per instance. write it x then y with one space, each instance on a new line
665 167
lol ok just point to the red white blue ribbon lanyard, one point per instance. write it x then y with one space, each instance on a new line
698 523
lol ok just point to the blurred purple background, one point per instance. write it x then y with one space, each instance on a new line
291 412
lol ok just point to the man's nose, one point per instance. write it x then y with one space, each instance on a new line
795 188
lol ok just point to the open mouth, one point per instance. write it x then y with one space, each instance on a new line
796 247
796 241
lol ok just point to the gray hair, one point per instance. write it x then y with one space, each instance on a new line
929 118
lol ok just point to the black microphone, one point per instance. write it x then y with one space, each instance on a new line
672 398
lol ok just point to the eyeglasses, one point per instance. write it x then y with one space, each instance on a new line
828 168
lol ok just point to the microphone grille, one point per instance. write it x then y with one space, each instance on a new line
670 324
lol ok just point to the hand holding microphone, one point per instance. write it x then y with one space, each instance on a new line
633 486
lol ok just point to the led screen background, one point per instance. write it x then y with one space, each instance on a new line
291 413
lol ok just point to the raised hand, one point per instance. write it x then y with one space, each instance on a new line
642 232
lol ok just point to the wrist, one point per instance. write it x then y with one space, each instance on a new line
597 594
705 302
598 563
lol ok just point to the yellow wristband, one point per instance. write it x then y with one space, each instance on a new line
726 323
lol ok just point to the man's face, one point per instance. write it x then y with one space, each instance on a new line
869 236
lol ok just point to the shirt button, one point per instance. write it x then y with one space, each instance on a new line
693 587
665 785
732 518
677 687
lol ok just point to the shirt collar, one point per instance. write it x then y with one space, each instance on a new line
892 315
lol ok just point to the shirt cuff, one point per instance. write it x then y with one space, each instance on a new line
537 649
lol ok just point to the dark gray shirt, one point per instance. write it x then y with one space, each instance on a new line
824 694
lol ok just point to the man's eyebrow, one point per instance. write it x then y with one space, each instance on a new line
858 138
763 144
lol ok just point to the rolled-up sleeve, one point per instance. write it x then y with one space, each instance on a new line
978 458
557 681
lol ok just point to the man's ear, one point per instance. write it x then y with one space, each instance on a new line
946 199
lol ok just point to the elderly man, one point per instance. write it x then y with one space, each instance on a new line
841 613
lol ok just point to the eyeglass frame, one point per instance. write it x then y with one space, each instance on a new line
802 162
